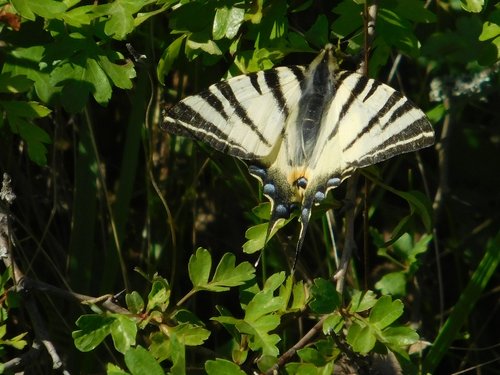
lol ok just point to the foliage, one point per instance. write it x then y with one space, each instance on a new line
101 191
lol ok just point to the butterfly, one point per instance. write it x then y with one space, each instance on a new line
302 130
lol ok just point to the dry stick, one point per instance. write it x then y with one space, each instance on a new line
285 357
41 333
441 193
349 244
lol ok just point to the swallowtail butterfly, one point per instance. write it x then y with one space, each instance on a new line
302 130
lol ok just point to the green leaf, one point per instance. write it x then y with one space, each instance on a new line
199 267
112 369
160 346
262 303
325 299
299 296
120 74
274 281
19 115
135 303
44 8
79 16
222 366
14 84
311 355
334 323
385 312
190 335
399 336
361 339
201 42
362 301
395 31
140 362
159 296
473 6
93 330
349 21
414 10
318 33
33 68
168 57
227 275
393 283
227 22
259 337
256 235
123 332
100 86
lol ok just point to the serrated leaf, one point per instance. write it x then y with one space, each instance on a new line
362 301
361 339
199 266
190 335
259 337
325 298
78 16
141 362
227 275
120 74
262 303
123 332
333 323
222 366
159 296
93 330
393 283
120 17
385 312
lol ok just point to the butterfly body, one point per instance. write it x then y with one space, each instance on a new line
302 130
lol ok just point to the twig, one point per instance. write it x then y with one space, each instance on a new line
285 357
349 243
41 333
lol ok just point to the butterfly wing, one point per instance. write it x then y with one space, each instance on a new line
243 116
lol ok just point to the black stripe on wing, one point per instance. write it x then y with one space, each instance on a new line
225 89
184 120
388 105
272 80
416 136
356 91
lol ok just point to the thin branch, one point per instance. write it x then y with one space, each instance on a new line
287 356
41 332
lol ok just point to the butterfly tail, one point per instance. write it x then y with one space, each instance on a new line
305 216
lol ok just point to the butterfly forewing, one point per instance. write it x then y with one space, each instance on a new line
243 116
